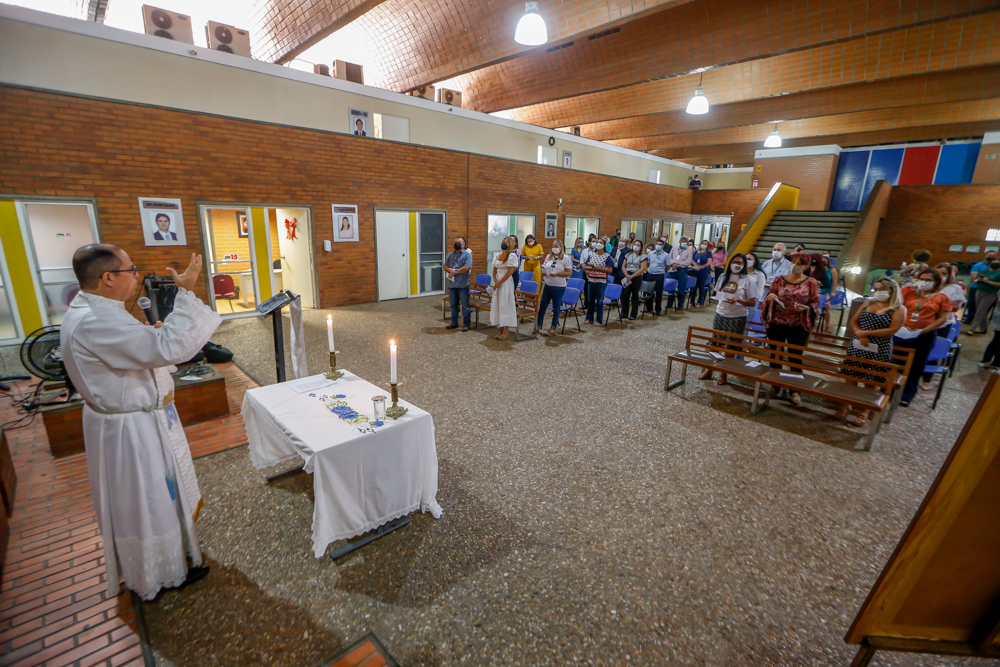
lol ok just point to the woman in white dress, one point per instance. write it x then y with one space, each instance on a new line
503 312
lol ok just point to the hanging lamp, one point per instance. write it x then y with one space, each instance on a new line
531 30
699 103
774 139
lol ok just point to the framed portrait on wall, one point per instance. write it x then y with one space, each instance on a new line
345 223
567 159
241 225
551 225
162 221
359 125
656 229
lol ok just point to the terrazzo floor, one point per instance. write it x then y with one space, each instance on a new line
589 517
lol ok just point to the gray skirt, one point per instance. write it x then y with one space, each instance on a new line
734 325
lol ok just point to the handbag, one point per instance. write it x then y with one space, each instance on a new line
216 354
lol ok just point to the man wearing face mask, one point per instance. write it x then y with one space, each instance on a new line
977 268
777 266
618 257
636 263
987 287
658 260
458 269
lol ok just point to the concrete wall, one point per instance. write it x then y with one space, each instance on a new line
813 174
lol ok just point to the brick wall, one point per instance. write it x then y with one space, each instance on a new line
935 217
861 250
741 204
69 146
812 174
987 171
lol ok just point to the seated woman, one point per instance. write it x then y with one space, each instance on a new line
873 327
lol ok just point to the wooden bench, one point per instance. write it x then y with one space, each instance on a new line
819 373
902 357
525 306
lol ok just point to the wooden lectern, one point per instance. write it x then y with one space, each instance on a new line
940 591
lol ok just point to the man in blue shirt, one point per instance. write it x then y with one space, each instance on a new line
457 269
980 267
658 260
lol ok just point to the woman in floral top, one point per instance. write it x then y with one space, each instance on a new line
789 309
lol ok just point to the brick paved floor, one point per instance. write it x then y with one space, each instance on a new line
54 609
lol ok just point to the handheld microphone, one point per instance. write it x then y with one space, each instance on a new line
147 309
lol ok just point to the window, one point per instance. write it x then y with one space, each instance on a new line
993 234
547 155
654 176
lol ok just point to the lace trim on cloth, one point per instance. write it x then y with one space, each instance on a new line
155 563
320 546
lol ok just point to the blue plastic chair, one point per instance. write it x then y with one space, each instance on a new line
483 279
838 303
612 298
576 275
956 347
570 304
528 287
525 275
691 290
937 362
575 282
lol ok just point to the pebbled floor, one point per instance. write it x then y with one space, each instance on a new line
589 517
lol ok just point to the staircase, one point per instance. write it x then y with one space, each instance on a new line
818 230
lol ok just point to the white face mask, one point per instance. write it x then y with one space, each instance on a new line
637 248
703 247
925 285
531 243
556 250
736 268
777 254
881 296
595 246
749 261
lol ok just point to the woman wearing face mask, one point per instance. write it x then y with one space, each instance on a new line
636 263
951 287
701 263
927 310
577 253
596 266
719 260
532 254
789 310
736 292
753 270
503 312
556 268
873 327
987 286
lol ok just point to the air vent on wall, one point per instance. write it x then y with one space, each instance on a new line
322 69
168 24
598 35
226 38
424 92
450 97
347 72
561 46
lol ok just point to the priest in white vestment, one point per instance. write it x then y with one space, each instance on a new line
142 479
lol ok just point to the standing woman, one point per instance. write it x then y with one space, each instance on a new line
512 242
556 268
736 292
597 266
789 310
701 264
753 270
927 310
503 312
532 254
577 253
636 263
987 286
719 256
873 327
826 276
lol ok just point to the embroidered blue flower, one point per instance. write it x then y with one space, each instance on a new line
340 396
312 394
378 424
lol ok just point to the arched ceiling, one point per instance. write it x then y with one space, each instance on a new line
623 71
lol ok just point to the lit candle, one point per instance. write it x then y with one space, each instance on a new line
392 362
329 332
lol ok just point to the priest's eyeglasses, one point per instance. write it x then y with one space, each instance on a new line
134 270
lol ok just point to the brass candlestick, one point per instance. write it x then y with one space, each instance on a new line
394 410
333 373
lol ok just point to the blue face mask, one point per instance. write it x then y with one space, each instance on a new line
684 246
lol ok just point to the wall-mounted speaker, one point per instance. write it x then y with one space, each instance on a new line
450 97
348 72
165 23
222 37
425 92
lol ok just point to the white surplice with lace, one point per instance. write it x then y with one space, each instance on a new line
133 440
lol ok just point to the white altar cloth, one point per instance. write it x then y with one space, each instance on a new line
361 480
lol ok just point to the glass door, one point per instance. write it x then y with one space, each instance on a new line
702 232
501 225
54 231
431 236
638 227
674 232
8 319
229 263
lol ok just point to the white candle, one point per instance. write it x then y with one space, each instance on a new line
329 332
392 362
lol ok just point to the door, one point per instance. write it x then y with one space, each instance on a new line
54 231
640 230
392 238
674 231
230 238
702 232
591 226
501 225
293 268
572 225
431 235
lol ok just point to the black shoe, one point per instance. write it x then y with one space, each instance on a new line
465 328
451 326
195 574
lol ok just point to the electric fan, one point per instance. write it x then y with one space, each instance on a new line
41 354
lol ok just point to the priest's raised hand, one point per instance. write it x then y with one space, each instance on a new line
141 476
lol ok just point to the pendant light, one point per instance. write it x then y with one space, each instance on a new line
699 103
774 139
531 30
